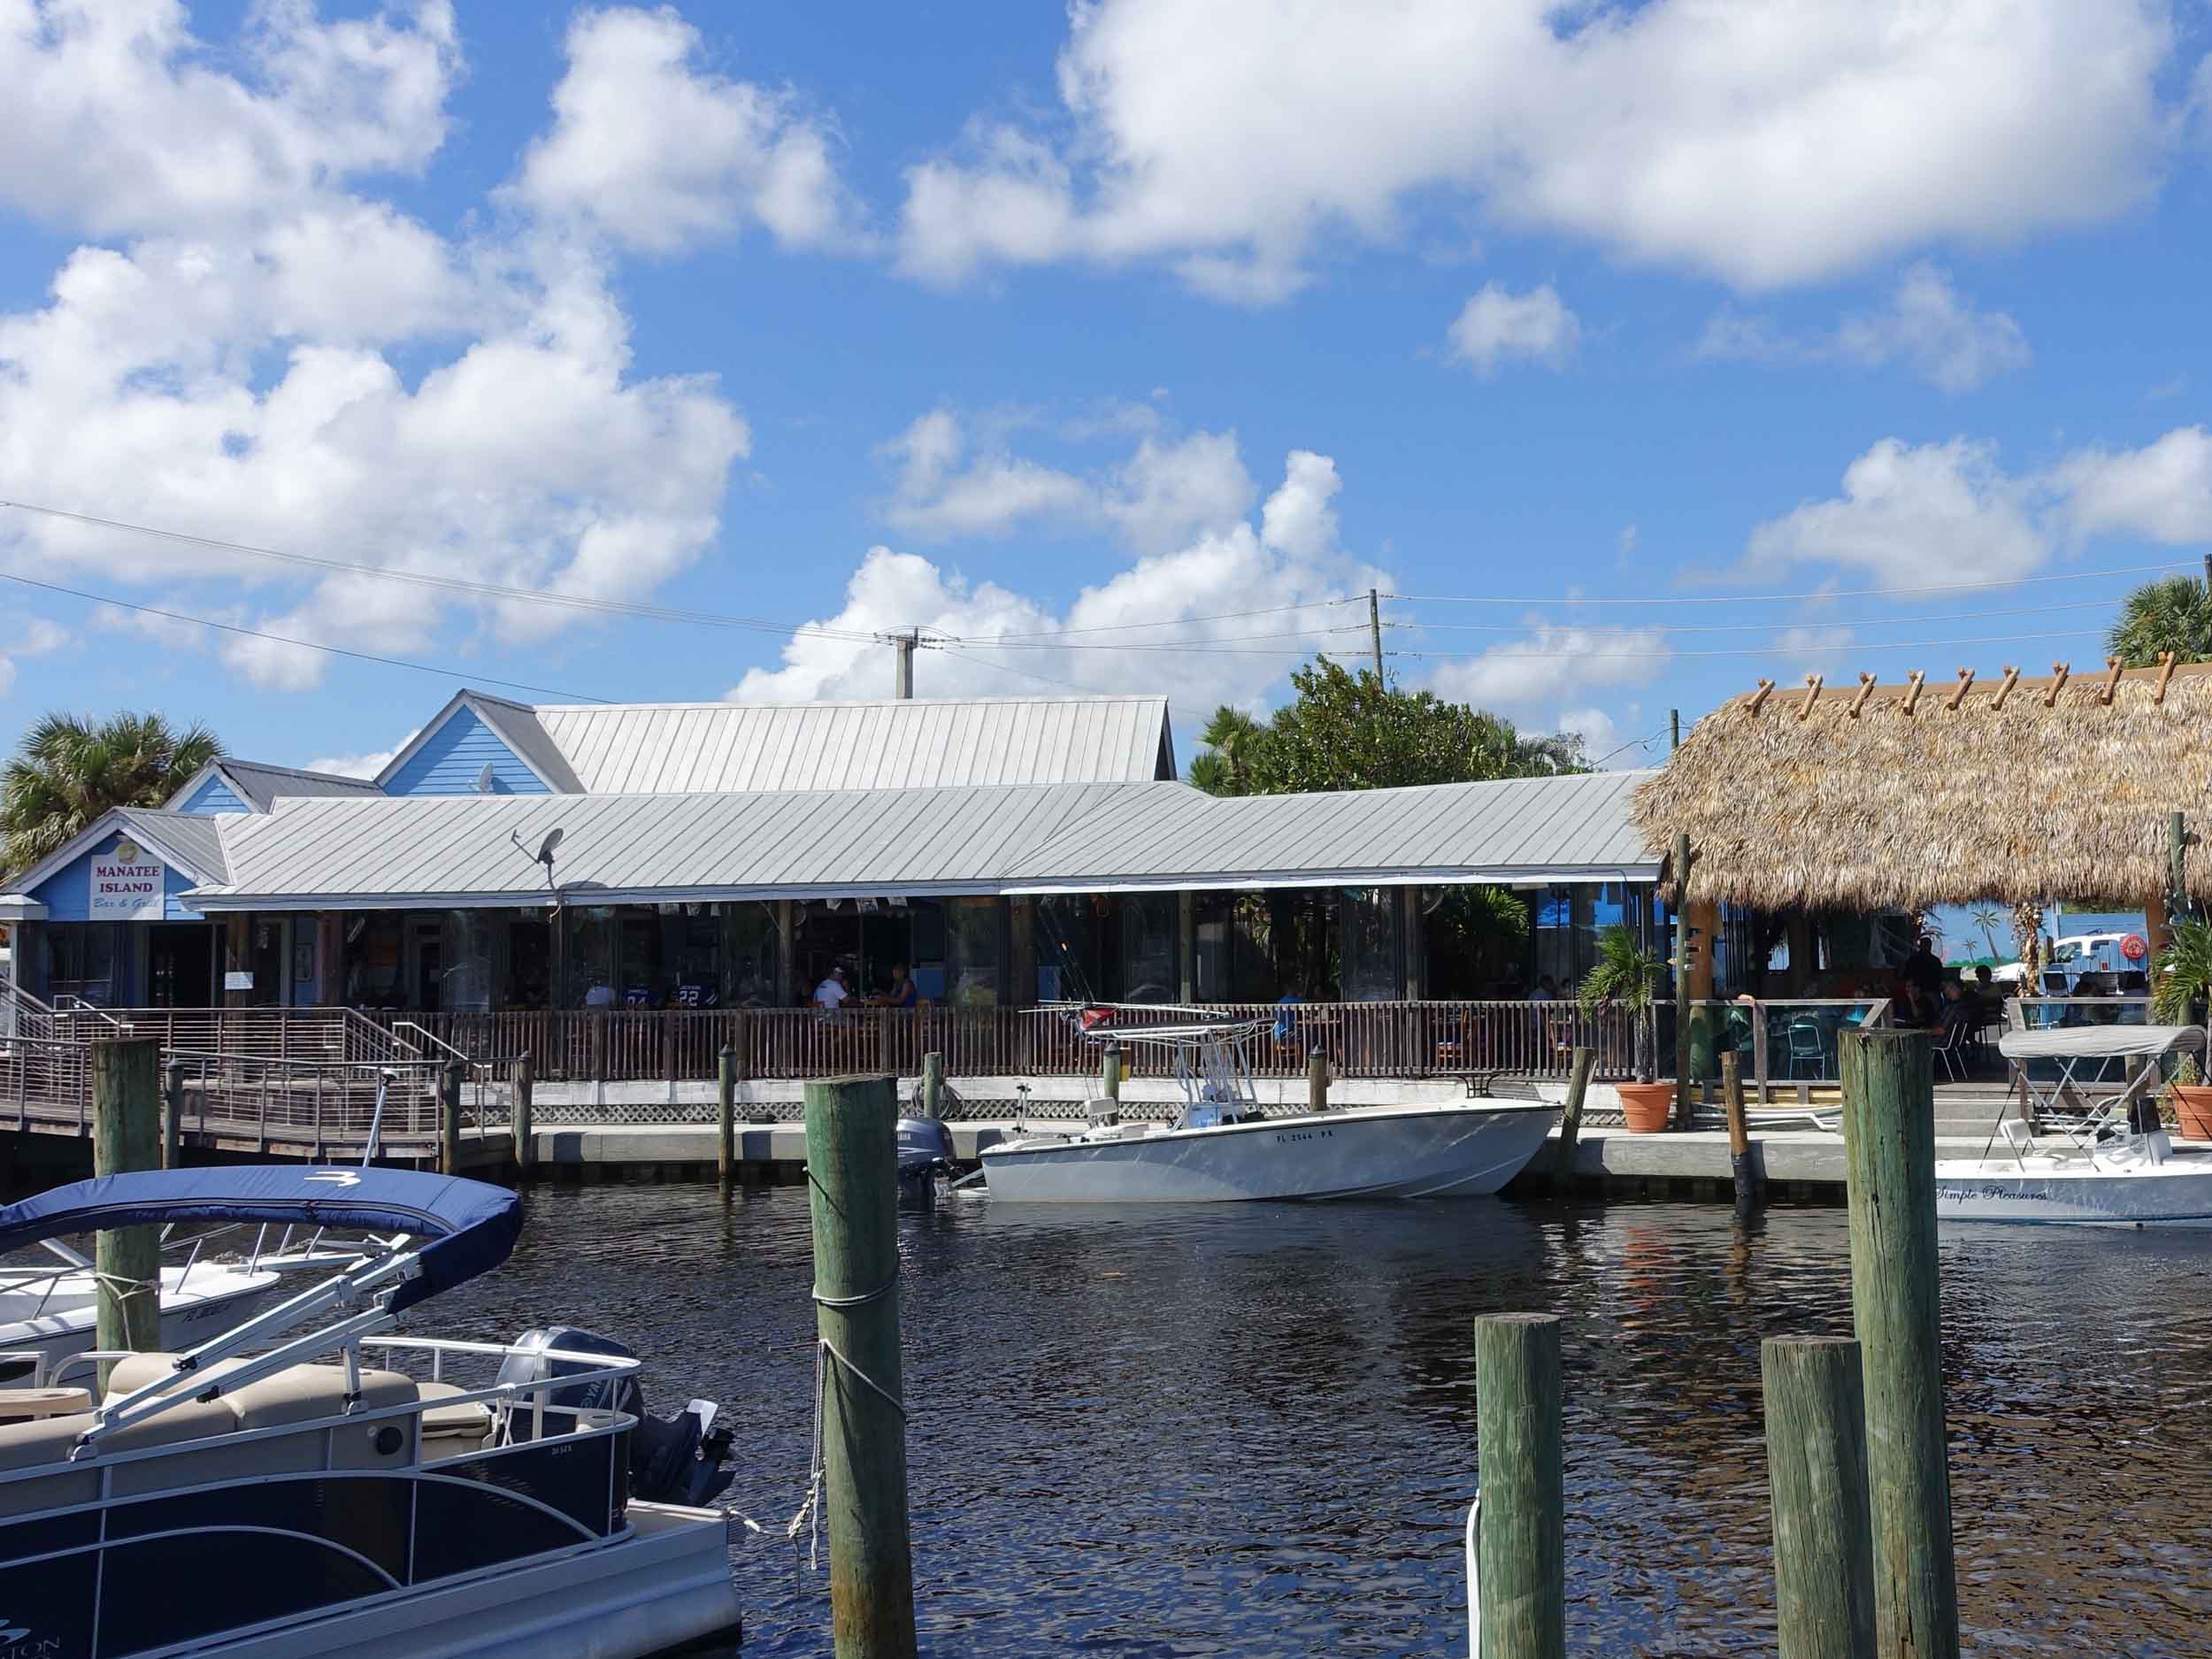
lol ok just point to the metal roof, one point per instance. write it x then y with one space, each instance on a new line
259 785
687 748
1519 830
184 838
1021 838
620 849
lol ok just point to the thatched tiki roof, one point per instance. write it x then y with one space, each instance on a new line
1867 796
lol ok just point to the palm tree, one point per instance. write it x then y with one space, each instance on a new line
1230 737
2172 614
1986 918
69 769
1627 976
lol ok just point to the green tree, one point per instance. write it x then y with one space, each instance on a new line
1230 742
69 769
1629 977
2172 614
1346 731
1988 919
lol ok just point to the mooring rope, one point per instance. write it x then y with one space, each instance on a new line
809 1511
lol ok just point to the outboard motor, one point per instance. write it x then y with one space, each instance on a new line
672 1460
926 1157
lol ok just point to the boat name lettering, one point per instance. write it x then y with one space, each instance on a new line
17 1642
1305 1135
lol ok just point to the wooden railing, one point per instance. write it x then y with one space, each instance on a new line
1369 1039
1784 1043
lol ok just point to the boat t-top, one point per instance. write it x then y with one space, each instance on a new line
2087 1160
306 1483
1222 1144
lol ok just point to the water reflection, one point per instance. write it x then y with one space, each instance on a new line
1195 1431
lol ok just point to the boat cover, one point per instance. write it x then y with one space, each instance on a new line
2076 1042
470 1227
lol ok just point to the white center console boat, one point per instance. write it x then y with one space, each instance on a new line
343 1492
1221 1146
2098 1160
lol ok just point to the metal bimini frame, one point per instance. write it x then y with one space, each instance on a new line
1211 1065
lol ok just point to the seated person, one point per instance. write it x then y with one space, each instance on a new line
900 993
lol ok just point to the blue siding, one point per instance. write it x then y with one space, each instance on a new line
67 893
212 797
454 757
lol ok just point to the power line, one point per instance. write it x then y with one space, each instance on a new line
1810 648
459 584
1173 622
1644 741
305 645
1762 627
1008 668
1746 599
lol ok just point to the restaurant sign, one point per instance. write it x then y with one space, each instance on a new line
126 885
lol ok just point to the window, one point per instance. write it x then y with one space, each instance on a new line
975 952
1148 969
1367 943
80 961
370 950
748 955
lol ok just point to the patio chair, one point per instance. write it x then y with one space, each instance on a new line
1808 1044
1951 1047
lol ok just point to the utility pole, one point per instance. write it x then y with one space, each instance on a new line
1374 625
902 681
2207 572
1674 729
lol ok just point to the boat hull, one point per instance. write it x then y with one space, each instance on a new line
207 1304
1382 1152
2076 1192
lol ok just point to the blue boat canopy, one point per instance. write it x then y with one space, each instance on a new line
469 1226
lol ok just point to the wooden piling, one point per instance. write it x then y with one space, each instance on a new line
853 1194
526 1094
1110 1072
173 1116
1824 1567
726 1114
1889 1147
1562 1168
1740 1163
450 1117
1684 1110
1521 1550
933 1084
1316 1079
126 1137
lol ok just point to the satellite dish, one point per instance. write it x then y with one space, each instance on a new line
545 849
485 782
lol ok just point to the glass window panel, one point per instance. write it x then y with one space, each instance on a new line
1148 971
749 934
975 965
590 957
1367 943
1070 931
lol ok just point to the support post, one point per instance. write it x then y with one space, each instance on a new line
1110 1072
726 1114
1824 1551
1674 729
1889 1147
1562 1168
1739 1159
173 1116
1316 1079
1374 631
1682 1107
852 1181
126 1136
2176 868
525 1093
450 1117
1521 1552
933 1084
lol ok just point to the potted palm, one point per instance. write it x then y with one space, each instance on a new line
2184 984
1628 977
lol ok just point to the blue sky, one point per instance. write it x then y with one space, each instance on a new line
1000 322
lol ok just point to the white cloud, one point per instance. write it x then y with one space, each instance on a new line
1912 516
367 765
120 123
246 384
1766 145
1807 649
659 152
1927 327
1531 676
949 486
1497 324
37 636
1292 558
1600 733
2161 492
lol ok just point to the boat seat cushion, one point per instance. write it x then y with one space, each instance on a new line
126 1376
49 1441
300 1392
471 1420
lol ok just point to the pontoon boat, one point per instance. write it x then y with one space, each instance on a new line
343 1491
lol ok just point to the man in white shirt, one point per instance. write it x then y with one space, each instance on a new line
832 993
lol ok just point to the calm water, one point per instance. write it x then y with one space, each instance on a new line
1251 1430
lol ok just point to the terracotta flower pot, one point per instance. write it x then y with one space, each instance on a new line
1647 1106
2192 1110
